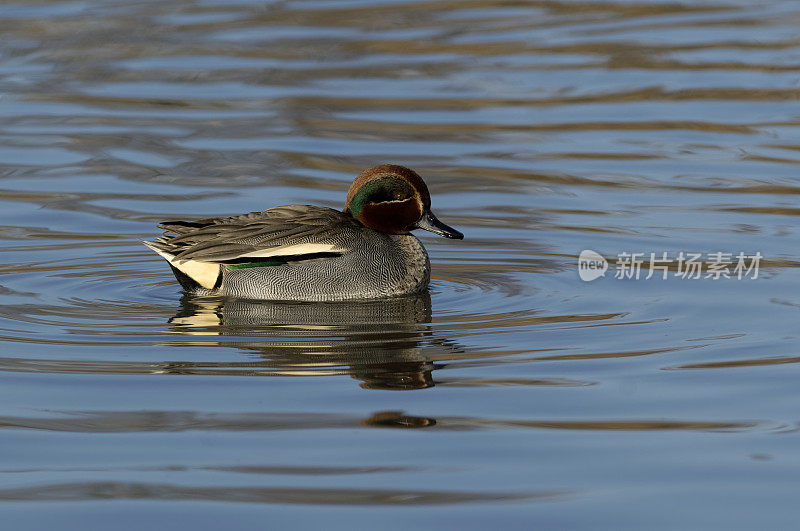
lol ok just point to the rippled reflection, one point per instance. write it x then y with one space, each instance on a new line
383 343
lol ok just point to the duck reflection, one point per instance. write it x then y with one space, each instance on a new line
383 343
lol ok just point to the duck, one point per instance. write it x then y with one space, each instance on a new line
312 253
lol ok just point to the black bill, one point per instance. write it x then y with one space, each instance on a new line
431 223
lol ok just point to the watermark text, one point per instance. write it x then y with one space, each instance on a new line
683 265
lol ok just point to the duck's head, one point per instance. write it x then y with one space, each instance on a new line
395 200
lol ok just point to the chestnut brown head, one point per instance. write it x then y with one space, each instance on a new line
394 200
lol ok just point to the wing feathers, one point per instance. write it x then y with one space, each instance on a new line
292 230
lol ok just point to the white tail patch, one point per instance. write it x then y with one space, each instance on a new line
204 273
293 250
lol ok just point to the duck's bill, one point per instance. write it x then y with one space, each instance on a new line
431 223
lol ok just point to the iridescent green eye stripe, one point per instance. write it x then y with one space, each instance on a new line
378 191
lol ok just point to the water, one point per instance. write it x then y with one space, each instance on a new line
513 393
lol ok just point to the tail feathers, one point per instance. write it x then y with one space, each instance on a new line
160 248
190 273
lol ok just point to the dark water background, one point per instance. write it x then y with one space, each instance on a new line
515 394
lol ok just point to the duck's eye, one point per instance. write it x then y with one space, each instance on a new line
389 195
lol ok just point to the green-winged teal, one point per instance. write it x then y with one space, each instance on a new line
305 252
